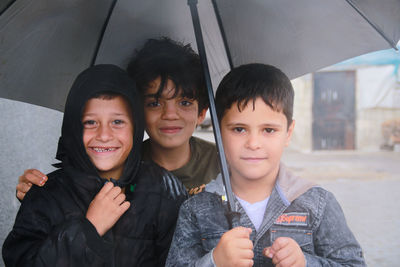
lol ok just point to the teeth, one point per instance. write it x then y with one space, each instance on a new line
99 149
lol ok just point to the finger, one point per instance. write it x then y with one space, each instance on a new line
34 177
123 208
41 175
268 252
244 243
23 187
246 262
114 192
246 254
282 255
280 242
20 195
120 199
286 262
104 190
241 232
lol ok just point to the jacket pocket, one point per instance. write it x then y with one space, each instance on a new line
303 237
210 241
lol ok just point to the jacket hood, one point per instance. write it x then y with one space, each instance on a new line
288 186
93 81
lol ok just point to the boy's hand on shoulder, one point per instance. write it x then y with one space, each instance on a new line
107 207
285 252
25 181
234 248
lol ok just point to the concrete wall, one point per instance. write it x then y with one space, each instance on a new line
28 139
369 131
302 114
378 100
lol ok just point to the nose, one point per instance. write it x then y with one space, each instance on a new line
253 141
170 111
104 133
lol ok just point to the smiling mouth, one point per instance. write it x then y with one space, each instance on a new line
103 149
170 129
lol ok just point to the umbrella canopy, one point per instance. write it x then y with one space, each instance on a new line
45 44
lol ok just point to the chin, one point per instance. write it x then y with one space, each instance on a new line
255 176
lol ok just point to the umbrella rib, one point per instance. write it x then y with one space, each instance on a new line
103 30
373 25
222 30
7 7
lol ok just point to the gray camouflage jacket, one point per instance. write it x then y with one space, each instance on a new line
296 208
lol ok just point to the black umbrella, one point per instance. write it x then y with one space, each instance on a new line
45 44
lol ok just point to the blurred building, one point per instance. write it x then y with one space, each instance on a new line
351 105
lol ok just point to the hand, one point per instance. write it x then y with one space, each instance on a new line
25 181
234 248
107 207
285 252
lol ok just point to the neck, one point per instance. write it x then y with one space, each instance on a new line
170 158
254 190
115 174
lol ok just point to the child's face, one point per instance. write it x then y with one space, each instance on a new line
170 122
108 134
254 140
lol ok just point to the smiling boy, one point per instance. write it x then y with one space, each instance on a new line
170 77
284 220
79 218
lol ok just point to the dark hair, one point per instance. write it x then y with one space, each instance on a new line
110 95
107 95
248 82
171 60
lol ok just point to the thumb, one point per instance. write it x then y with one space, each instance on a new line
268 252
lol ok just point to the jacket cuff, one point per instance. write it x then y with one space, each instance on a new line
206 261
95 242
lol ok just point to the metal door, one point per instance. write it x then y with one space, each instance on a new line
334 110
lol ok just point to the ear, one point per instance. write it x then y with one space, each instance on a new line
202 116
290 132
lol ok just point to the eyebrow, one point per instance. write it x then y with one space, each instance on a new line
263 125
115 114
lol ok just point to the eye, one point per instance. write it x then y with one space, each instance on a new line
239 130
269 130
153 104
118 122
88 124
186 103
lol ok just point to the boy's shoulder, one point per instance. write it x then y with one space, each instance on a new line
55 178
202 142
205 208
210 199
290 185
155 178
203 148
50 191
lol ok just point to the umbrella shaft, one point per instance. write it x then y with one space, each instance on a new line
217 133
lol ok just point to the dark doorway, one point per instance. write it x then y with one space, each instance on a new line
333 110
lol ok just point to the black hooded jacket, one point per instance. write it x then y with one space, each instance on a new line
51 228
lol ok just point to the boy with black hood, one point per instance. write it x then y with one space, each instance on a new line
79 218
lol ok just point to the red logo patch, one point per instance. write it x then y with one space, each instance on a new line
293 218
